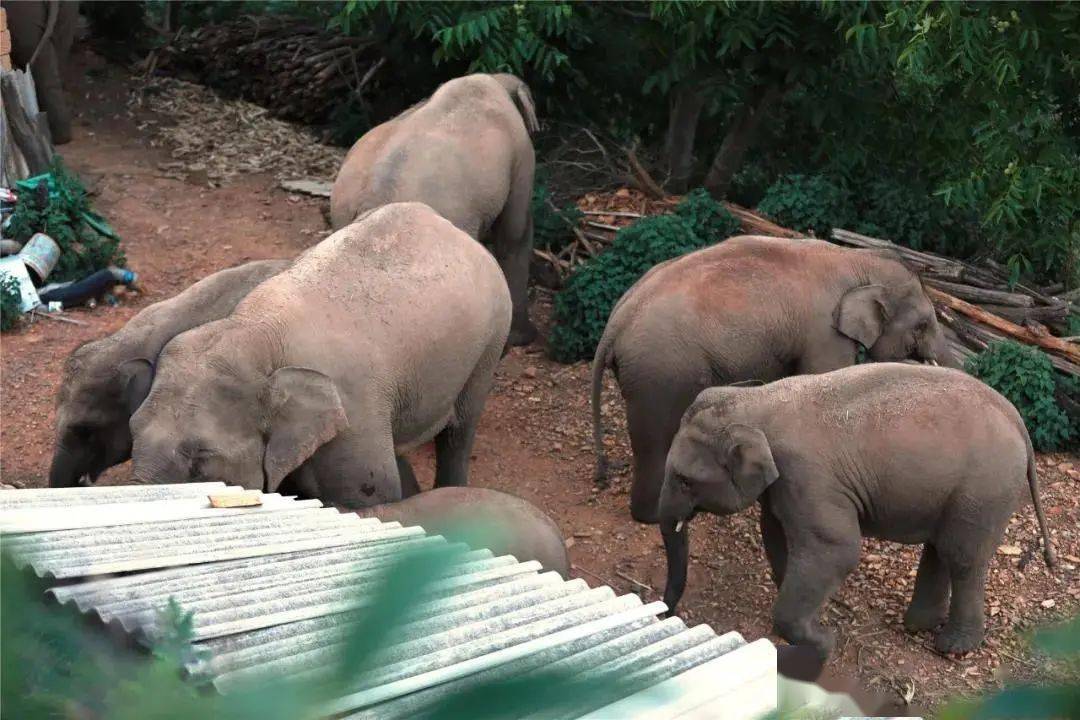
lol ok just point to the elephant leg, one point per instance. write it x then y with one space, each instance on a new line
50 94
652 427
453 445
656 401
512 241
409 484
930 601
966 547
775 542
816 566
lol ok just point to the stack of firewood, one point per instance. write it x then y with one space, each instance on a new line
979 304
294 68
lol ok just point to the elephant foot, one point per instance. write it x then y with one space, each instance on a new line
522 334
958 639
918 618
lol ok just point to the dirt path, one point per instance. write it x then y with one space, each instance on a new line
534 439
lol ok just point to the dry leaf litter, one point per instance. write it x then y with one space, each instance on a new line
226 138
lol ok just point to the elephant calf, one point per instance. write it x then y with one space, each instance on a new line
750 308
381 337
896 451
466 152
482 518
106 380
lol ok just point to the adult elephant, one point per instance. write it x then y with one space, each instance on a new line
382 337
41 38
750 309
466 152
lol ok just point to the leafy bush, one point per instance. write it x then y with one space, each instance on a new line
1056 697
909 215
583 306
808 203
10 303
552 227
1025 377
61 212
707 218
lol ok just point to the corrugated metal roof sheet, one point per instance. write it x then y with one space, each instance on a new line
272 588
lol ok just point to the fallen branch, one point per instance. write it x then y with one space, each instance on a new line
756 224
641 175
1048 342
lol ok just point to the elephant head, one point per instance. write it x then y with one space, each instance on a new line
93 409
217 423
712 466
894 322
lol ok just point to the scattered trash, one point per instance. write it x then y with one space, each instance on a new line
13 267
89 288
9 247
40 254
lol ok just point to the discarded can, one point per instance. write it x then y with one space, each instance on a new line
40 253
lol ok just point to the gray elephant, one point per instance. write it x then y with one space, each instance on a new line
41 37
381 337
466 152
483 518
896 451
749 309
106 380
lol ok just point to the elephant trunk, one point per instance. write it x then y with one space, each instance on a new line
677 549
676 510
66 470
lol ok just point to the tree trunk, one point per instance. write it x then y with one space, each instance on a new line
739 138
686 106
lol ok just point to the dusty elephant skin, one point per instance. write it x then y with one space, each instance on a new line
900 452
749 309
482 518
105 381
381 337
466 152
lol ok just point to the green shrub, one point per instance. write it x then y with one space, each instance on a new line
707 218
808 203
10 303
61 213
583 306
552 227
1025 377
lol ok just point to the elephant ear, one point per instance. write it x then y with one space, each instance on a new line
136 377
862 314
305 412
749 459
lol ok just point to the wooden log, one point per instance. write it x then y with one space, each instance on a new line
35 149
1070 351
981 295
1045 314
756 224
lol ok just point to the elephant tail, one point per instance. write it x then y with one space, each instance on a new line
601 362
1033 484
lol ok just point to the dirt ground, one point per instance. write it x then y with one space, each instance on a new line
534 439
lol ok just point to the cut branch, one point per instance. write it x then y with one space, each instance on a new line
1048 342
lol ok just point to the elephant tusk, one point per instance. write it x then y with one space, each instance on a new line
679 526
934 363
